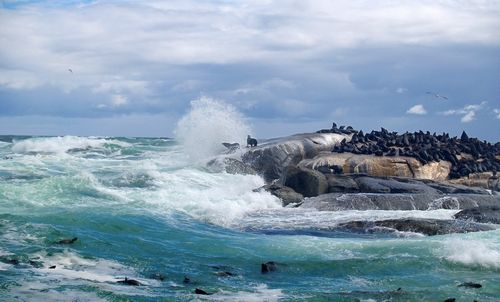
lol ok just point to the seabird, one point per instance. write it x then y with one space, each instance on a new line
70 70
437 95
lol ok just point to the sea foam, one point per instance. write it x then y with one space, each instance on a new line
207 125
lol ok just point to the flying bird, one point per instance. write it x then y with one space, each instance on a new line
437 95
70 70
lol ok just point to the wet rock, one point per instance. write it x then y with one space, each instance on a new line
52 267
481 214
470 285
267 267
286 194
341 184
307 182
201 292
428 227
128 281
67 240
450 300
374 201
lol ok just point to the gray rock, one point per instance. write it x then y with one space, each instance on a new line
481 214
285 194
393 185
429 227
374 201
341 184
305 181
272 157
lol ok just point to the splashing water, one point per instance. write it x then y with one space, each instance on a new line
208 124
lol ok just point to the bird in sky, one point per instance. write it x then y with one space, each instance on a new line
437 95
70 70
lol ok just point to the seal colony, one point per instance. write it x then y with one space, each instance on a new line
467 155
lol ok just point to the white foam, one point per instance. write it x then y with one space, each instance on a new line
472 252
60 144
260 293
207 125
218 198
71 266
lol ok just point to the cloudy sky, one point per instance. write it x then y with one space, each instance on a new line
131 68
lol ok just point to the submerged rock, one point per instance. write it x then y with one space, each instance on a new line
267 267
428 227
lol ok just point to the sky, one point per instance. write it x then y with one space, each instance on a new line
132 68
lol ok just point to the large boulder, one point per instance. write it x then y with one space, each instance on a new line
305 181
271 157
285 194
380 166
341 184
481 214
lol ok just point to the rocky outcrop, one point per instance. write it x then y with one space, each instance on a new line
398 202
285 194
379 166
271 157
307 182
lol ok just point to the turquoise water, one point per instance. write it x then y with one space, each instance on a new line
142 208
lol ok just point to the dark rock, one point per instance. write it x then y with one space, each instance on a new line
428 227
268 267
450 300
305 181
201 292
480 214
470 285
67 240
341 184
52 267
224 274
128 281
396 202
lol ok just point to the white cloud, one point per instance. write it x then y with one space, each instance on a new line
468 117
497 113
106 38
118 100
401 90
468 112
417 109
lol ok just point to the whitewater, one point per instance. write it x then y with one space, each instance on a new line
152 210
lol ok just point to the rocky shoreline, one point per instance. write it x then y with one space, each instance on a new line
341 169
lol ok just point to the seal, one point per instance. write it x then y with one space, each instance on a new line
251 142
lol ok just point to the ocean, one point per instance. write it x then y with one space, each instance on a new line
151 210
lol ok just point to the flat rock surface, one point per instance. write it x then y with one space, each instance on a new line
374 201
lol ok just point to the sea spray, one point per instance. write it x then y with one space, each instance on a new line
207 125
